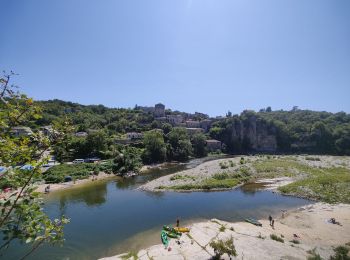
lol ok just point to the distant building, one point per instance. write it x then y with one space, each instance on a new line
213 145
192 124
81 134
192 131
21 131
174 120
134 135
159 110
205 124
47 130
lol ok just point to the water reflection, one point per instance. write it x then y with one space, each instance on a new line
92 195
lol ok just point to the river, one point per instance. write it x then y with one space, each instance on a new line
111 216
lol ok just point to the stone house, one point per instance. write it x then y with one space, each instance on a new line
174 120
21 131
134 135
213 145
192 124
159 110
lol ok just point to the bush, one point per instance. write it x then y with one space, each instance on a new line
223 247
242 161
223 165
341 253
276 238
314 255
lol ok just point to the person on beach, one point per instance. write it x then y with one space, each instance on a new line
270 219
177 222
273 224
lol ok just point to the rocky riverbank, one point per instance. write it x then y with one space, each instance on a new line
314 236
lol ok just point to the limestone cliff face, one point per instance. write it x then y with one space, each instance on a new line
254 134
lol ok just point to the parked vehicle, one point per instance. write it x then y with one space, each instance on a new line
78 161
92 160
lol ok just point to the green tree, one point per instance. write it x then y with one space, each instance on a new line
180 147
155 150
199 145
129 159
21 215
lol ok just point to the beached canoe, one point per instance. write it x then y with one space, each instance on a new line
164 238
253 221
170 229
182 229
173 234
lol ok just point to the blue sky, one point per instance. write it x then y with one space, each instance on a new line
192 55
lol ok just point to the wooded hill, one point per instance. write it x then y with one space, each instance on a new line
295 131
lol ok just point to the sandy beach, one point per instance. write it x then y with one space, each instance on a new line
309 223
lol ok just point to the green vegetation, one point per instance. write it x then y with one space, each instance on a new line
326 184
208 184
341 253
21 217
295 241
130 255
155 149
199 145
222 229
57 174
182 177
223 247
223 165
301 131
276 238
179 144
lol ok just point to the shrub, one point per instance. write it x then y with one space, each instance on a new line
295 241
241 161
223 247
341 253
223 165
314 255
276 238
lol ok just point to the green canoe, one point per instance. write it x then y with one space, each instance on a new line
172 234
253 221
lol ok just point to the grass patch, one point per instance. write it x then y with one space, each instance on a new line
182 177
222 229
330 185
56 174
208 184
295 241
276 238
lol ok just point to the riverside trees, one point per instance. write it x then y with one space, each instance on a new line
21 215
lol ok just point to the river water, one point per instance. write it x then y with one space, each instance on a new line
110 217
